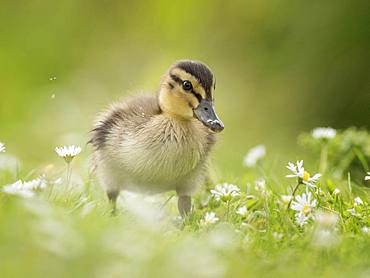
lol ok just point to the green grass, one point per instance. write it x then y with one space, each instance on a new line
68 230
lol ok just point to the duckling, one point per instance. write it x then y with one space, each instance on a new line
158 143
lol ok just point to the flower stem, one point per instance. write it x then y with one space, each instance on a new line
69 172
227 213
294 191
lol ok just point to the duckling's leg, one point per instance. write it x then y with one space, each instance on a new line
112 196
184 205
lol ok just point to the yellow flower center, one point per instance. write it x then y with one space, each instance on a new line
306 176
306 209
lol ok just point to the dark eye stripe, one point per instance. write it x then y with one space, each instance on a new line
198 96
176 79
179 81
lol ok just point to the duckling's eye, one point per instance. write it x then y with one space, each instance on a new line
186 85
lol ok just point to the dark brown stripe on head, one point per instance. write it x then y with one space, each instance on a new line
180 81
201 72
198 96
176 79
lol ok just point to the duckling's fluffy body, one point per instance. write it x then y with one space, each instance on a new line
159 143
141 149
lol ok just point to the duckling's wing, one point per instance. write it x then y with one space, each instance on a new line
124 115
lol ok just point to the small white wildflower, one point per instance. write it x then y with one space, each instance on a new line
225 192
296 169
242 211
19 189
304 204
325 234
325 238
277 236
299 172
57 181
319 191
209 218
365 230
336 191
2 147
301 219
367 178
353 212
326 219
286 198
68 152
35 184
310 181
324 133
358 201
253 155
260 184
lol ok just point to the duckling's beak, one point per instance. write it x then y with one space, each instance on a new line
205 112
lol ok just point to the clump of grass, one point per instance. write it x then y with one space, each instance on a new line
319 225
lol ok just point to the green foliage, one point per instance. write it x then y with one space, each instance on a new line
67 230
349 151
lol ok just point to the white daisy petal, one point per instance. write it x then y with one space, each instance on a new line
68 152
303 176
254 155
301 219
242 211
225 192
358 201
18 188
304 205
2 147
324 133
209 218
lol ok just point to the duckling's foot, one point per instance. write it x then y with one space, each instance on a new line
112 196
184 205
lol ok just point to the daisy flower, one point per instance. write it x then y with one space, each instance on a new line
336 191
324 238
57 181
326 219
225 192
301 219
365 230
278 236
35 184
209 218
242 211
358 201
253 155
324 133
304 204
303 176
68 152
367 178
18 188
260 184
2 147
296 169
353 212
286 198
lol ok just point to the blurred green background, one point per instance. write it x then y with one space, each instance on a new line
282 67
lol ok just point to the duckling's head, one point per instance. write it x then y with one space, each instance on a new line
187 91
